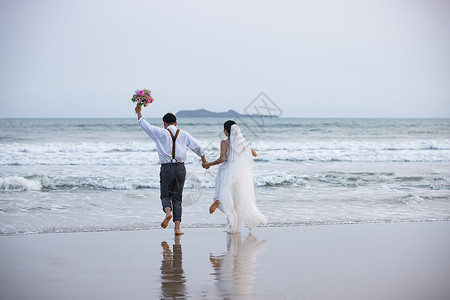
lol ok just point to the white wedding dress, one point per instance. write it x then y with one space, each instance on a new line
234 185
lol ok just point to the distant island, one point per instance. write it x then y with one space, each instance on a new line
203 113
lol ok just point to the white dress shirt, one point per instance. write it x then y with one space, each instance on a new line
163 142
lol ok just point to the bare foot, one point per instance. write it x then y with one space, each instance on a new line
213 206
165 222
177 228
165 246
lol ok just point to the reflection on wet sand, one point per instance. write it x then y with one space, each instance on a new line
234 271
172 274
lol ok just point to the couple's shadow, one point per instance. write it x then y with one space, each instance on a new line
172 274
233 270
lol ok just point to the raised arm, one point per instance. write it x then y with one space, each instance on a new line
152 131
221 159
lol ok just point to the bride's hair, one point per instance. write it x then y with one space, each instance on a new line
227 125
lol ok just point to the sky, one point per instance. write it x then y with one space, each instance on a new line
312 58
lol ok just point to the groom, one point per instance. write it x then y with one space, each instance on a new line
171 144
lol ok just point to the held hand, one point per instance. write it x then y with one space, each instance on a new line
206 165
204 161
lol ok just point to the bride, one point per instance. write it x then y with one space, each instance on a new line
234 191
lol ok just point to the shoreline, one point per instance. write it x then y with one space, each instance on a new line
404 260
223 226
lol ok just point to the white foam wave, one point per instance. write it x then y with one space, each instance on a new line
16 183
352 145
84 147
198 179
47 183
122 153
280 179
133 153
355 151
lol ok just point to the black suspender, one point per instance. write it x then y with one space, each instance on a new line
173 143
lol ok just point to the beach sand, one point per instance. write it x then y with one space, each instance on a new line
364 261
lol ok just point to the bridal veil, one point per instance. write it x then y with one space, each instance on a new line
236 192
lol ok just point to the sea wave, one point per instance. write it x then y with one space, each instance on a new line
135 153
17 183
81 147
199 181
48 183
122 158
355 151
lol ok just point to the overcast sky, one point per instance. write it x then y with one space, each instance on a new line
315 58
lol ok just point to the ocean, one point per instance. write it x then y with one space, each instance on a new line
72 175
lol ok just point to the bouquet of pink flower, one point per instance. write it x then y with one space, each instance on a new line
142 97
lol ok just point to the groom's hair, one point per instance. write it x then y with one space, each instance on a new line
227 125
169 118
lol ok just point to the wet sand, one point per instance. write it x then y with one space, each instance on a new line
367 261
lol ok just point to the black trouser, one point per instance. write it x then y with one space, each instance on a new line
172 182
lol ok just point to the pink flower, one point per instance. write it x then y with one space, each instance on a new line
142 97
